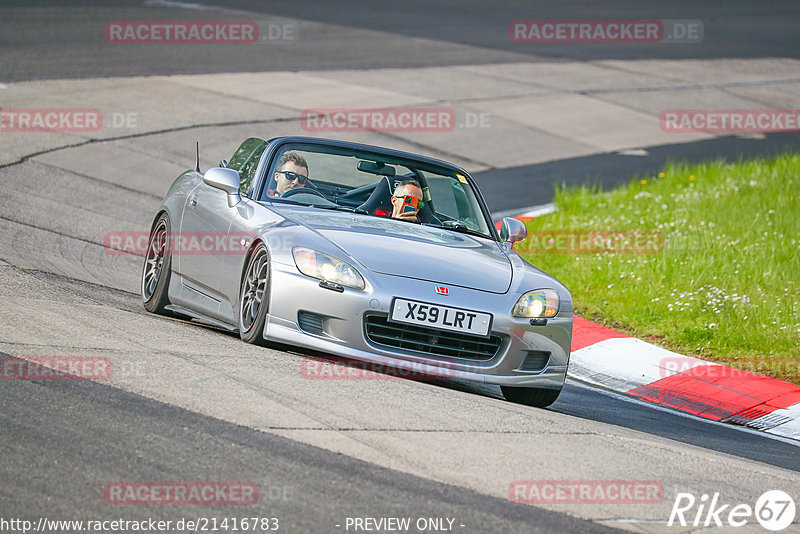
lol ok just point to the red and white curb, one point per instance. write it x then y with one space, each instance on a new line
615 361
618 362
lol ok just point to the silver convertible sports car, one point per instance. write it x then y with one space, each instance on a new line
362 252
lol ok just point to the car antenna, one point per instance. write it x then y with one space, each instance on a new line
197 158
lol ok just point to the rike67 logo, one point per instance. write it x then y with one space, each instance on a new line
774 510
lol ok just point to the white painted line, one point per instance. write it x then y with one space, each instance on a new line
754 135
790 429
175 4
633 152
544 209
3 86
529 211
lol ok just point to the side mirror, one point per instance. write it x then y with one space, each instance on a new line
512 230
226 180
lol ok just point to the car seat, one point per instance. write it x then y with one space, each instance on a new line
380 201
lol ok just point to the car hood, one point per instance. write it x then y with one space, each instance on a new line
411 250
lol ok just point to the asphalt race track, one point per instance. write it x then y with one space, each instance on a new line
188 402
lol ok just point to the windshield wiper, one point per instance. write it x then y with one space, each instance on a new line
460 227
332 207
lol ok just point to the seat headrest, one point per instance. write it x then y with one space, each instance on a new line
380 201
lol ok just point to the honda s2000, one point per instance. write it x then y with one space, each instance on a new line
362 252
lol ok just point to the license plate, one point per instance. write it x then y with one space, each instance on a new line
442 317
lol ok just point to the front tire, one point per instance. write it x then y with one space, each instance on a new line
537 397
157 268
254 297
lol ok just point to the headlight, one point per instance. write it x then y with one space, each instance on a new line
323 266
538 303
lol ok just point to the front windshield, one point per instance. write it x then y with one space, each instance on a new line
374 184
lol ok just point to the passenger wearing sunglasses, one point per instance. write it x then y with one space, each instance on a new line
292 173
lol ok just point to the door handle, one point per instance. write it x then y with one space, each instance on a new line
193 201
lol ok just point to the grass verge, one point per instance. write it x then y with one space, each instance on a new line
702 259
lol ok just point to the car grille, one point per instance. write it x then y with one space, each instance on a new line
429 341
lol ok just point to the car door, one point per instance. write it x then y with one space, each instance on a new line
249 221
210 248
201 246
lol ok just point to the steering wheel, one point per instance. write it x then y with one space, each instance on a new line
298 190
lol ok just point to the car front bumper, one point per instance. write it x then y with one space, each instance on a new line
340 318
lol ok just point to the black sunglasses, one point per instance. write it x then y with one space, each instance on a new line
292 176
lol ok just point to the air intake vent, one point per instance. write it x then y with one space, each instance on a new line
310 322
429 341
535 361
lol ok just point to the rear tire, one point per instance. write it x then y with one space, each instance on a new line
157 268
538 397
254 297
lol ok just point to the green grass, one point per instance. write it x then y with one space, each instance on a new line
723 287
